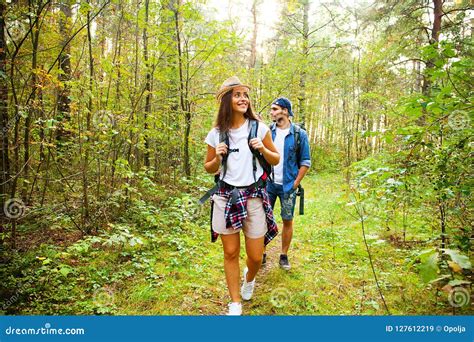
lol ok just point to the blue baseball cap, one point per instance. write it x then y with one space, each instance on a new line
283 102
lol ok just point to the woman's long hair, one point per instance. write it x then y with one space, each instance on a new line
224 116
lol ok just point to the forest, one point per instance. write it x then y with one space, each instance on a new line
104 108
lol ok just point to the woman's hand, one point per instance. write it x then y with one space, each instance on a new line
221 150
256 144
214 157
269 150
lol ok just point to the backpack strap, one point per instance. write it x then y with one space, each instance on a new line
252 135
224 137
298 143
272 128
256 155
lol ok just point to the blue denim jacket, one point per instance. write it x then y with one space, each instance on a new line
290 166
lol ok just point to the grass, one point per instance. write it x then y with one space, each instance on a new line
176 270
330 272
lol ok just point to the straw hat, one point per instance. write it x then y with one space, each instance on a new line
229 84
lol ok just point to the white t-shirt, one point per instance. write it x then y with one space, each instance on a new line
239 161
280 146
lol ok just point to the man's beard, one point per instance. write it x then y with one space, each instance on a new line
279 120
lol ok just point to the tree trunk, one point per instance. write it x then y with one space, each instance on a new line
132 148
183 100
434 39
118 93
305 53
147 85
4 124
64 100
33 109
85 168
253 52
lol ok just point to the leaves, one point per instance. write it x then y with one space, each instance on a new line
100 154
458 259
458 282
428 266
65 270
455 267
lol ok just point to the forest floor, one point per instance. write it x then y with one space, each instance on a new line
173 268
330 274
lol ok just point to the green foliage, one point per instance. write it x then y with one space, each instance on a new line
104 182
434 267
84 277
428 175
461 260
428 266
326 159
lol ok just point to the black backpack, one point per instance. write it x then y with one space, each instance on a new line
298 129
267 168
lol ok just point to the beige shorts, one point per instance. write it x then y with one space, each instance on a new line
254 226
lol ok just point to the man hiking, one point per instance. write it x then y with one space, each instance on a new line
292 143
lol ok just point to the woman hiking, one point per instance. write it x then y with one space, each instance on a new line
241 201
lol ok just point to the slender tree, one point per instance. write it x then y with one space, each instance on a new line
305 57
148 81
433 40
253 52
64 95
4 122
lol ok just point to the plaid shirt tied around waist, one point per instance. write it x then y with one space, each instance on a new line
236 209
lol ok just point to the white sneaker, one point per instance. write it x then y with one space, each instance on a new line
246 291
235 309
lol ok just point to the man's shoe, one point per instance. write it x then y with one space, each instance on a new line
235 309
246 291
284 263
264 259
